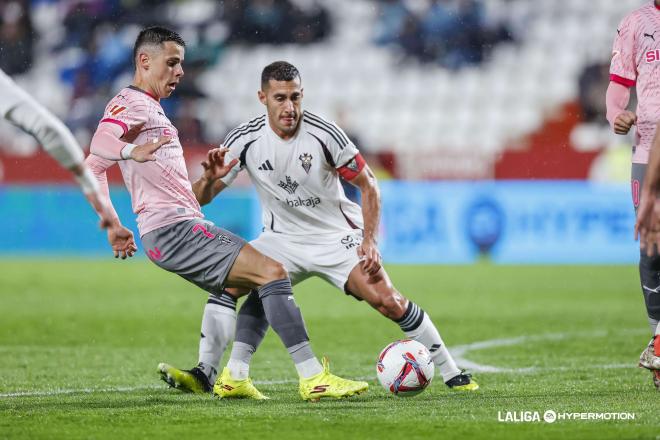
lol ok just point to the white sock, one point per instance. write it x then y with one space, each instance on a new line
657 328
239 360
310 367
238 369
218 329
428 336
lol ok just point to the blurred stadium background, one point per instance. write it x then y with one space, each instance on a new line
484 119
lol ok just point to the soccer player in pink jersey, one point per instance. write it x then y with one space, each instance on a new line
636 63
19 108
135 133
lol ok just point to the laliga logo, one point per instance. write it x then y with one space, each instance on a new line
652 56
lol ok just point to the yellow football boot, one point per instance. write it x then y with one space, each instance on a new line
326 384
462 382
228 388
188 381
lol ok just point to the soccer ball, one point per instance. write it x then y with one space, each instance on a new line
405 368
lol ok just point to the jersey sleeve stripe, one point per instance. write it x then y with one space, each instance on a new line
237 129
257 128
327 131
326 152
240 131
244 127
115 121
329 125
621 80
244 151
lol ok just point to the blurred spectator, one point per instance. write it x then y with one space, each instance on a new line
411 39
276 21
16 37
97 46
188 124
451 33
592 85
392 16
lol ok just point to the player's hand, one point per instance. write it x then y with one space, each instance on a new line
214 165
122 241
145 152
624 121
369 256
102 209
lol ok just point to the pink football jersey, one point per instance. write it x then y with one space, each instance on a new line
161 192
636 62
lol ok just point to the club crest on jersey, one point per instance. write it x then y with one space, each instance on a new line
289 185
306 160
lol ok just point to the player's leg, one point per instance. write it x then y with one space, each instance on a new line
218 328
378 291
315 380
649 275
270 279
251 327
201 253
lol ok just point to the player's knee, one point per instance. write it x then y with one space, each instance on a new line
392 306
274 271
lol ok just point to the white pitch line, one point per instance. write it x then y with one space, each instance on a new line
460 351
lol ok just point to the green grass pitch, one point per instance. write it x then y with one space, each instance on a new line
80 341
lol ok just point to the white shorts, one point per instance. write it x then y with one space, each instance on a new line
331 257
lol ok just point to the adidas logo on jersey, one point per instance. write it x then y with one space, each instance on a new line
266 166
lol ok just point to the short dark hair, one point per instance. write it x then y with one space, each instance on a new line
279 71
156 35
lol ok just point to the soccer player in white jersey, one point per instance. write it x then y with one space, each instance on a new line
23 111
173 229
636 63
295 160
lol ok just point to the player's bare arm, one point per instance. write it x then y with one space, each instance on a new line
617 99
209 184
368 250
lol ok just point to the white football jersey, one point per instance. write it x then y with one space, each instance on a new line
297 179
11 93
